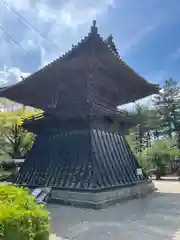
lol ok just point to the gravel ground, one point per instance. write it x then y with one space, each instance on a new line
154 217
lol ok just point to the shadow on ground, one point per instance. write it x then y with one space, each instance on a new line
154 217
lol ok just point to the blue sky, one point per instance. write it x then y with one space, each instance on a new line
146 33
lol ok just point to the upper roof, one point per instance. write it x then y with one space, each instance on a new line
41 88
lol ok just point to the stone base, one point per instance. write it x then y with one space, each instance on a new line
101 199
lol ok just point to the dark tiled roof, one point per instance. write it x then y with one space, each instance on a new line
97 160
90 57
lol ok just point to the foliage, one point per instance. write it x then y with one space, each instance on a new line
158 156
161 151
20 216
144 162
141 156
167 106
153 137
14 113
3 146
13 138
4 175
145 129
5 158
19 140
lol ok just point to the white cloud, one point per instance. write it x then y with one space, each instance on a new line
146 102
63 23
11 75
54 21
73 13
66 21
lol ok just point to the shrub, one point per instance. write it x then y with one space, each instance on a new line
21 218
9 165
5 175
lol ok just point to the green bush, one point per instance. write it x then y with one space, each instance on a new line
21 218
9 165
4 175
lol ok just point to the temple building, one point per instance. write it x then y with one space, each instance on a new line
80 150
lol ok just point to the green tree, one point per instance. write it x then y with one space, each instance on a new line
15 141
167 107
18 140
160 153
13 138
152 125
146 127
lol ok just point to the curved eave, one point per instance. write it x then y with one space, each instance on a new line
27 94
15 94
136 84
138 92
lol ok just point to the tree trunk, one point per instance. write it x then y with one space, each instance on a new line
158 175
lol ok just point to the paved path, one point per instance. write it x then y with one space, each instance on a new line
151 218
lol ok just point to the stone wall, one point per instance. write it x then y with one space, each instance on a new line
103 198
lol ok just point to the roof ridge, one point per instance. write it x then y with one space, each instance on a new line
117 56
94 31
63 56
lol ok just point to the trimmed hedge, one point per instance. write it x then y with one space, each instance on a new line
21 218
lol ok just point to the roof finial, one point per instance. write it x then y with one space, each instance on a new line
94 28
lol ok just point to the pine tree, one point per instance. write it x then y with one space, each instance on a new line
167 107
147 127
